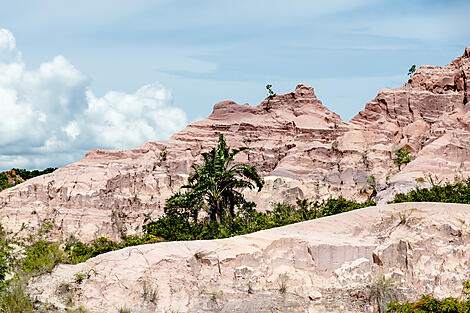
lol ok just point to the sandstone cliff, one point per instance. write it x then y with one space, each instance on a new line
331 264
302 148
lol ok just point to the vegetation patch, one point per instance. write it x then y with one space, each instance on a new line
429 304
212 206
458 192
16 176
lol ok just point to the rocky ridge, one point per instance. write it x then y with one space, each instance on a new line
331 264
300 147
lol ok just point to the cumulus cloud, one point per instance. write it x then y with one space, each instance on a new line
50 116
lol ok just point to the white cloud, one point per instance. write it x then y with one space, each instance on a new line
8 52
50 116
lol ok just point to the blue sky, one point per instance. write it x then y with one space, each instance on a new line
90 55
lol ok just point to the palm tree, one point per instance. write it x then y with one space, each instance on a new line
217 185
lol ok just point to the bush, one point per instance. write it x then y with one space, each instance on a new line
42 257
4 256
450 193
429 304
78 252
402 156
176 226
15 299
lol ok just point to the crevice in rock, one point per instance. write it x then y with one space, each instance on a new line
465 100
309 251
384 103
377 260
409 106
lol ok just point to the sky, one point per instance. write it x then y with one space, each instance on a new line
79 75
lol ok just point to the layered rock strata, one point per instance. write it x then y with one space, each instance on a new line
351 262
301 148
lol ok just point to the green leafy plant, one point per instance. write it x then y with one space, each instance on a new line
412 70
163 154
402 156
149 292
5 257
282 282
78 251
42 257
383 291
15 299
458 192
429 304
79 277
216 186
247 220
271 95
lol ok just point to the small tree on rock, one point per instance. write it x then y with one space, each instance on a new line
271 95
402 156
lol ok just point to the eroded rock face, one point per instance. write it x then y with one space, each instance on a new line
330 264
301 148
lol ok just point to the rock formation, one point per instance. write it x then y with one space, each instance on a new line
332 264
303 149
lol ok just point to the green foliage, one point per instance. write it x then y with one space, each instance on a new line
32 257
429 304
178 226
5 256
283 280
7 181
15 176
15 299
78 252
451 193
383 291
271 95
402 156
25 174
216 186
42 257
412 70
163 154
174 226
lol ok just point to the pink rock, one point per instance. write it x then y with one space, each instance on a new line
302 148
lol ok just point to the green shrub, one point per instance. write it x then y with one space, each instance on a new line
216 186
5 182
383 291
4 256
78 252
402 156
429 304
450 193
15 299
176 226
42 257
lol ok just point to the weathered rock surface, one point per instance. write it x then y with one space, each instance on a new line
303 150
325 265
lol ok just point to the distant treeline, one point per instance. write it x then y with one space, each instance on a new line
15 176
